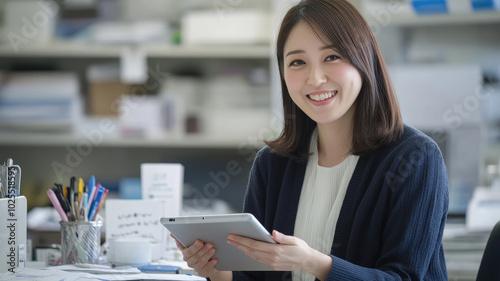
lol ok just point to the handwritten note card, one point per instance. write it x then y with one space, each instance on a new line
134 219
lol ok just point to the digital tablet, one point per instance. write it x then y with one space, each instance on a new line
215 229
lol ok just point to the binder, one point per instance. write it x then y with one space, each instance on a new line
13 213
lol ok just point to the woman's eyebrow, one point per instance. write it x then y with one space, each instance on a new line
294 52
330 47
326 47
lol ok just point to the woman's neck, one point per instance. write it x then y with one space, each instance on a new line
334 142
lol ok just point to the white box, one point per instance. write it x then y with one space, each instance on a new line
164 182
12 233
226 27
30 22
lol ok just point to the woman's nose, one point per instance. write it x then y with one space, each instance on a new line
316 76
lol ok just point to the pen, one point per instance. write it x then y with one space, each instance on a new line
77 210
80 204
62 201
72 183
56 205
95 203
85 203
59 188
97 188
90 190
91 184
92 195
80 188
71 201
68 195
103 198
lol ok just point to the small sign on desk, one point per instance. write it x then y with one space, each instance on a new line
164 182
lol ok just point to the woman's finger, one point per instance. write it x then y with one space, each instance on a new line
193 260
205 257
193 249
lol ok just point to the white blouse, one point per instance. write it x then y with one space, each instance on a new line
321 198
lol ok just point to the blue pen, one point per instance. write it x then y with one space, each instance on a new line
95 203
91 186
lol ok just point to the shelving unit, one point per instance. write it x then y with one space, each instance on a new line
79 50
400 13
55 140
114 139
116 156
411 19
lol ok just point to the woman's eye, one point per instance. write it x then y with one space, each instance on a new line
332 58
296 63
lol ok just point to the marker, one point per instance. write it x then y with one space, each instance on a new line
80 188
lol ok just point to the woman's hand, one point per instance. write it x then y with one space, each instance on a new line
290 254
198 257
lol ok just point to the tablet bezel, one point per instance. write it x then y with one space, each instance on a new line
215 229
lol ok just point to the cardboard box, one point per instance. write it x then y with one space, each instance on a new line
105 96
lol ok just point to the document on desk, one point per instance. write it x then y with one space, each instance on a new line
28 274
134 219
45 275
152 276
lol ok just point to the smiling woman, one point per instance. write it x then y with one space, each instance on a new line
344 38
348 191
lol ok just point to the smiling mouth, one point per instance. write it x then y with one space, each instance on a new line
322 97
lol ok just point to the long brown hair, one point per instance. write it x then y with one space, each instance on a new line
377 120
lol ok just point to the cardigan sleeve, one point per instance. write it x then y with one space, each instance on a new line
254 203
417 186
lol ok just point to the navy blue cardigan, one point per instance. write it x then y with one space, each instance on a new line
391 223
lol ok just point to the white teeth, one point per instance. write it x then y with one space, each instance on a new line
323 96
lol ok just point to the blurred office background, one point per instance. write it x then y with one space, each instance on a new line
99 87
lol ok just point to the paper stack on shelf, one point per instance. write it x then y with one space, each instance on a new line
424 7
40 101
241 26
135 32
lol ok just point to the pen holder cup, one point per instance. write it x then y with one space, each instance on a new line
80 242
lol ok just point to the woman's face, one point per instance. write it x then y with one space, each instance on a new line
320 81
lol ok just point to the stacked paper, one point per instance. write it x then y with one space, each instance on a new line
40 101
453 6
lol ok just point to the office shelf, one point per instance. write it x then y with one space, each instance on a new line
446 19
201 141
394 13
89 131
79 50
